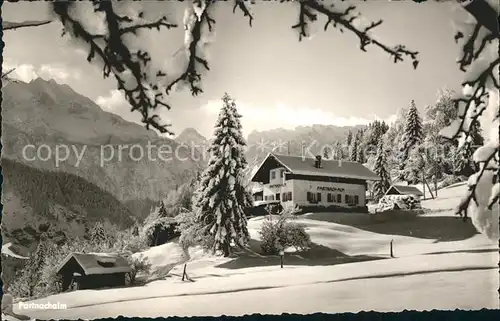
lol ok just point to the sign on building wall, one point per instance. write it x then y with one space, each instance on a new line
331 189
277 185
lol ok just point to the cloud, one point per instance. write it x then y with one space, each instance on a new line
58 73
284 116
28 72
24 72
112 102
115 102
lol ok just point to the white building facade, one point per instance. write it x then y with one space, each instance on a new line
313 183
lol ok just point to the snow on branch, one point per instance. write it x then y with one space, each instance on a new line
475 98
344 20
194 21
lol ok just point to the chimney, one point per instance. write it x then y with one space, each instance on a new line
317 162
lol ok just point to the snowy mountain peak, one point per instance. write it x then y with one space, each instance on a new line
191 136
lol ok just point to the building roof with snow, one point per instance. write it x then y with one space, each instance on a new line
307 166
403 190
97 263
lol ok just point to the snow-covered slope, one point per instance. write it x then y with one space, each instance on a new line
444 273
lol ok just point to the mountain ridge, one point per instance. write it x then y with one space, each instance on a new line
53 117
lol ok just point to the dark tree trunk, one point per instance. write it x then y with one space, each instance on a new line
226 248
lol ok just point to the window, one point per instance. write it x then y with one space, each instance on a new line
311 197
258 197
269 198
289 196
273 174
339 198
282 173
277 196
329 197
284 197
319 196
352 199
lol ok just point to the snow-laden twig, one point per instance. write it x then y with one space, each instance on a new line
343 20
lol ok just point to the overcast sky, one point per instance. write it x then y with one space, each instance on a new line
276 80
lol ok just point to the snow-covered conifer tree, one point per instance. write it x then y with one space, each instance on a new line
221 197
35 264
380 168
339 151
353 156
349 138
360 154
413 134
98 233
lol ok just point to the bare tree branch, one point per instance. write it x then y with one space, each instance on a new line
345 21
7 25
5 74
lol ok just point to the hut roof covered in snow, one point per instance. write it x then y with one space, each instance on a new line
97 263
403 190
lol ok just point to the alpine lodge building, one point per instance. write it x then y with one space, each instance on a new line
313 184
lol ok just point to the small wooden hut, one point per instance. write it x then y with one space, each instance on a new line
93 270
404 190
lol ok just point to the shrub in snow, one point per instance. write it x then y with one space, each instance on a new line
280 233
161 231
193 233
139 264
160 227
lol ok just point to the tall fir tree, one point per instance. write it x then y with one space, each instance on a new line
360 154
412 135
35 265
353 156
380 168
221 196
339 151
349 138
